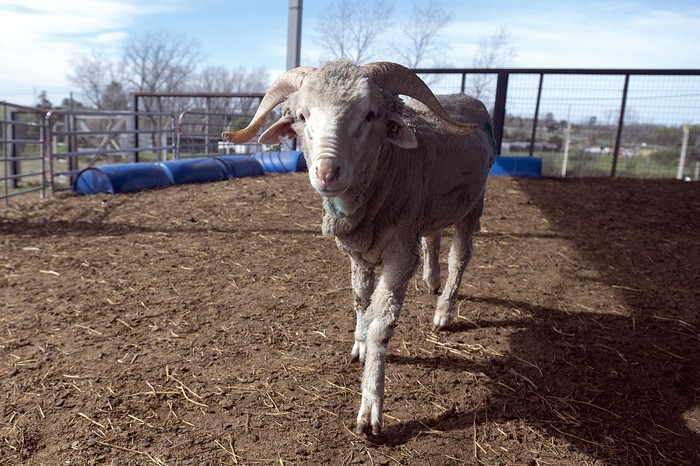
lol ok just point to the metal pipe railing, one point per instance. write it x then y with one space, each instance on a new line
14 138
83 150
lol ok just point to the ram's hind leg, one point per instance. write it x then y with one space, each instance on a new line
431 261
458 259
362 288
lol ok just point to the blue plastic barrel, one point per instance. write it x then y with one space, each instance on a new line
517 165
281 162
198 170
122 178
241 165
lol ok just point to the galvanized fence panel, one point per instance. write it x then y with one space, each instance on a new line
632 123
202 118
81 139
199 134
22 157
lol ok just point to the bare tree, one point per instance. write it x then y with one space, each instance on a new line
220 79
93 74
43 101
159 62
495 51
151 62
114 97
241 80
421 33
349 28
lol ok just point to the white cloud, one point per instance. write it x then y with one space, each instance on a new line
108 38
45 35
599 36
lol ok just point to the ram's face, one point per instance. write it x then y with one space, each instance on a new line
335 130
343 119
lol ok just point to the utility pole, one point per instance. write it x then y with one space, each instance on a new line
294 34
294 41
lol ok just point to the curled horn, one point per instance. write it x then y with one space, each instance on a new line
398 79
286 84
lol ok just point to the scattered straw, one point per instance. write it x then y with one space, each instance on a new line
86 417
153 459
230 450
184 389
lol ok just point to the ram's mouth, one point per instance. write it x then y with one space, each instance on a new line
325 192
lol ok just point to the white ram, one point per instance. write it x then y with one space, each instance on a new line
389 174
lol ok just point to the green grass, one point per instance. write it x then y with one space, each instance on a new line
600 165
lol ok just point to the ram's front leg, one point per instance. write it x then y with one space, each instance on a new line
382 317
362 288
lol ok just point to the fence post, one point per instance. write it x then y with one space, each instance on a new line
620 124
3 155
135 152
71 145
684 150
206 126
43 153
567 144
14 153
499 108
537 116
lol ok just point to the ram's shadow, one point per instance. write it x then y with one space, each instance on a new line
620 386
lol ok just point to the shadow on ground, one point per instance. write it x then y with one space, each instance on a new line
621 384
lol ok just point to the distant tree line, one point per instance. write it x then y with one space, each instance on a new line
358 30
156 61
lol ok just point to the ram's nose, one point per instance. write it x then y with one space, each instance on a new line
327 172
329 177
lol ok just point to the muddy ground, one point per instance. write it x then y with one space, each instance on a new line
212 324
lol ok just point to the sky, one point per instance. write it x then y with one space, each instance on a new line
42 38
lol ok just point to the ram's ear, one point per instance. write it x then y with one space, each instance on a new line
399 134
282 128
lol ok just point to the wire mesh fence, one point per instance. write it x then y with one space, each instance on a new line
631 123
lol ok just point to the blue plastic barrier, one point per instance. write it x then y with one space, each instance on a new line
515 165
281 162
125 178
238 166
121 178
131 177
197 170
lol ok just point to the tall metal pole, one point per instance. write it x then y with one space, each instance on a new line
499 109
620 126
537 116
294 34
294 40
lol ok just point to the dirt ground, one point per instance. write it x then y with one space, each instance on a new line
212 324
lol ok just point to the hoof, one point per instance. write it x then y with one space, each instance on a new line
442 322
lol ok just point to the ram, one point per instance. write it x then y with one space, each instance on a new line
389 174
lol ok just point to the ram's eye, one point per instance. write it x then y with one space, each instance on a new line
370 116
